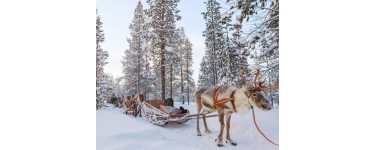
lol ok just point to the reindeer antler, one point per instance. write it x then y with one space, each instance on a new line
259 86
274 86
256 77
260 83
242 77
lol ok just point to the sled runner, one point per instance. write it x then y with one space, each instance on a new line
152 111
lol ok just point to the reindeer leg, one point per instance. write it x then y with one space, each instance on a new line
198 131
220 137
205 125
227 120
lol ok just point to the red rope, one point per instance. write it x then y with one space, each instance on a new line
261 131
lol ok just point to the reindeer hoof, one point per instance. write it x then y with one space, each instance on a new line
199 133
232 143
219 142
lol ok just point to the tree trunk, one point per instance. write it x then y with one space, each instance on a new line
182 85
171 80
162 72
187 73
138 69
230 61
214 49
97 70
162 49
187 78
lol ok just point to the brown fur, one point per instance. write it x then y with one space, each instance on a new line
135 98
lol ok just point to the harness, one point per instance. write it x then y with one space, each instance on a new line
224 100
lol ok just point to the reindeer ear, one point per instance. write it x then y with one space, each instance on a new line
248 89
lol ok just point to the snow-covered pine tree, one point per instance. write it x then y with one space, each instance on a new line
240 45
173 63
163 14
134 62
112 84
129 70
179 72
242 52
102 83
188 74
270 48
184 83
229 54
214 41
263 31
204 71
116 86
148 73
262 34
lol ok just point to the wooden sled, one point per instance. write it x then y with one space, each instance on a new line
151 112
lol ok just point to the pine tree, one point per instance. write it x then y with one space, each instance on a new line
229 73
173 62
102 82
240 52
148 73
214 42
117 87
135 63
263 34
180 51
163 14
183 73
188 70
240 46
204 70
130 71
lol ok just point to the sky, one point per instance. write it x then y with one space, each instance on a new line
117 15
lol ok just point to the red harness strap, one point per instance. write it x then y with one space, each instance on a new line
224 100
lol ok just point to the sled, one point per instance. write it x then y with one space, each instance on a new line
151 112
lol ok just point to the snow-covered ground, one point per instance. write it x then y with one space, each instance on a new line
116 131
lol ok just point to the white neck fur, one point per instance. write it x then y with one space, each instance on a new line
242 102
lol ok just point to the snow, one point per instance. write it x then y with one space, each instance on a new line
237 22
225 15
169 49
241 41
116 131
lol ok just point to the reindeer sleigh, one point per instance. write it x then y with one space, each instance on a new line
152 111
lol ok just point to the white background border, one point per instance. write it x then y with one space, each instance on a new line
48 74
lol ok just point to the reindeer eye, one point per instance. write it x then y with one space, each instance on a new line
254 94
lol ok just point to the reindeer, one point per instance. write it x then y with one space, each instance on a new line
228 99
133 104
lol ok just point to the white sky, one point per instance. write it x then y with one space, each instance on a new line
116 16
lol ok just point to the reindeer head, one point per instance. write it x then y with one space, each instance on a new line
254 93
256 99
